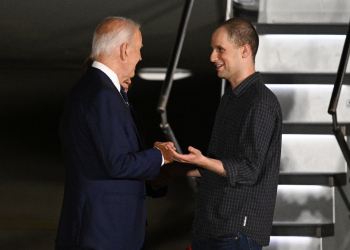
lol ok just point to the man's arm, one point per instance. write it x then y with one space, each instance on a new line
196 157
173 170
178 169
244 168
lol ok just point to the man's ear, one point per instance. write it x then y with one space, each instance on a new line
124 51
246 50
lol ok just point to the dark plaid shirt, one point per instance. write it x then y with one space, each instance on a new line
246 138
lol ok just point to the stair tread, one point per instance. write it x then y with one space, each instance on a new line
300 225
303 28
301 78
300 229
314 128
324 179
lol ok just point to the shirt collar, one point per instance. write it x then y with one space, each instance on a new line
110 73
243 86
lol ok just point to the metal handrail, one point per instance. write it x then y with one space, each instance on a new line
229 14
165 92
332 109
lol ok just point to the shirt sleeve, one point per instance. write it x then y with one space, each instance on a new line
253 143
162 157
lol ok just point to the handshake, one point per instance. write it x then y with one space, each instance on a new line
166 171
177 165
167 149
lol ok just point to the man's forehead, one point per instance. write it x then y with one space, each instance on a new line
137 38
219 36
139 35
219 33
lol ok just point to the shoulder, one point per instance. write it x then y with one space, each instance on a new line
264 95
94 88
261 100
95 81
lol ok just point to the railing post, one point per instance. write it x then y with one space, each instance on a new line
165 92
340 75
332 109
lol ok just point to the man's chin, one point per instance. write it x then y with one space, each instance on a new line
221 74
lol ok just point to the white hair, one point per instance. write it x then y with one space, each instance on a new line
106 42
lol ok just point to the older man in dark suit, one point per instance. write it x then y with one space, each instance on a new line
104 200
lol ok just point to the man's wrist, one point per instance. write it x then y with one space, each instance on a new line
162 156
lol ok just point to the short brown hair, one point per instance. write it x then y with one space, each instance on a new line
241 32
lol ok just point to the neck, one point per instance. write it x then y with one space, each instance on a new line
238 79
111 63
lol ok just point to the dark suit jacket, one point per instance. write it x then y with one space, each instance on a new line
104 199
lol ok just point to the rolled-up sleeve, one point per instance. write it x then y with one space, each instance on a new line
253 142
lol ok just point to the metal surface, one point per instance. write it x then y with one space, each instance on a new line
166 88
340 75
335 97
311 230
301 78
342 143
306 29
311 153
323 179
312 129
332 110
229 14
344 197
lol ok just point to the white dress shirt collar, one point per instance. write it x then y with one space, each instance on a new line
113 76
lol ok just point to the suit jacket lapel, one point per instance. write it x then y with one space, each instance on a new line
102 74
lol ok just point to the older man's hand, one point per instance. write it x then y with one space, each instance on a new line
164 148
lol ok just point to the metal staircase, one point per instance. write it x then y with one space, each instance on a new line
300 48
299 53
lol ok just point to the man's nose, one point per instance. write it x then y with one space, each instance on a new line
213 56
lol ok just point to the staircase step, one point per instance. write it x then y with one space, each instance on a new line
304 204
311 153
304 12
292 243
302 29
279 53
308 103
310 230
323 179
302 78
313 128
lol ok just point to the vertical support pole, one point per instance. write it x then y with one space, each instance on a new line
165 92
229 14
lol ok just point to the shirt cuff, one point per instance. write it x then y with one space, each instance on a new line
162 157
231 170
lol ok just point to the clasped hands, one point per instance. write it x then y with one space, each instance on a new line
169 153
169 171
